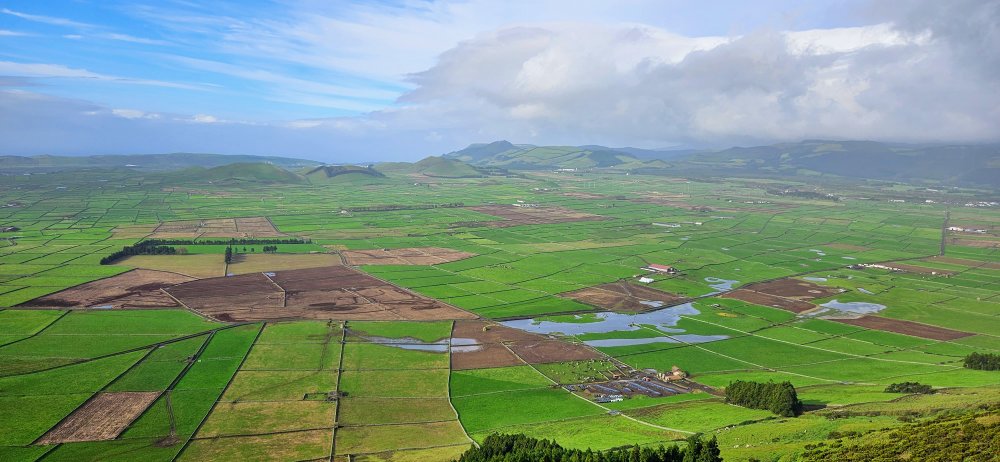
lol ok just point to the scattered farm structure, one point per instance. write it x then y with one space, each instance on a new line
334 292
658 268
647 382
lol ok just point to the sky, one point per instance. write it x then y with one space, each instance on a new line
355 81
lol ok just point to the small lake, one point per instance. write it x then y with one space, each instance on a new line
408 343
814 279
854 307
663 320
605 322
682 338
465 345
721 285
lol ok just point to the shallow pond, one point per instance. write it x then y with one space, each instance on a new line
854 307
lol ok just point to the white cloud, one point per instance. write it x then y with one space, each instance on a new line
50 20
45 70
12 33
134 114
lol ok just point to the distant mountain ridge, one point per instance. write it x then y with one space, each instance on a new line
146 162
957 164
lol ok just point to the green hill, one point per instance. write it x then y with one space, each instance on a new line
233 173
343 174
439 167
526 157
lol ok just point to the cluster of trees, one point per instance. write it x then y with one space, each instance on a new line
521 448
779 398
983 361
142 248
229 255
388 208
966 437
269 249
909 387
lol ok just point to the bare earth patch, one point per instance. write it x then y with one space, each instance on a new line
483 344
261 262
196 266
624 297
332 292
138 288
102 418
245 227
516 216
405 256
758 298
793 288
905 327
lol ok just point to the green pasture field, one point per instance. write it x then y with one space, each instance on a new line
247 381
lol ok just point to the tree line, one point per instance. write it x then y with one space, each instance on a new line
779 398
141 248
165 247
521 448
982 361
909 387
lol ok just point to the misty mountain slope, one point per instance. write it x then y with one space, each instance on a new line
528 157
148 162
958 164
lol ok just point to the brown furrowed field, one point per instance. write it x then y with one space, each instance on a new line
271 262
405 256
905 327
624 297
333 292
104 417
134 289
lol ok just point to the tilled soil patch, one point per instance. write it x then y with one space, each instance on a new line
102 418
905 327
624 297
134 289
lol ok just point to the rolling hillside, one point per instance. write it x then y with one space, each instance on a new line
234 173
439 167
945 164
528 157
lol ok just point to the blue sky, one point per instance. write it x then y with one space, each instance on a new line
351 81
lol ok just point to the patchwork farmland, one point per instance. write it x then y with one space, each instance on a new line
413 327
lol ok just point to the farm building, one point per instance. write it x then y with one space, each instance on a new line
645 280
609 398
657 268
675 374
